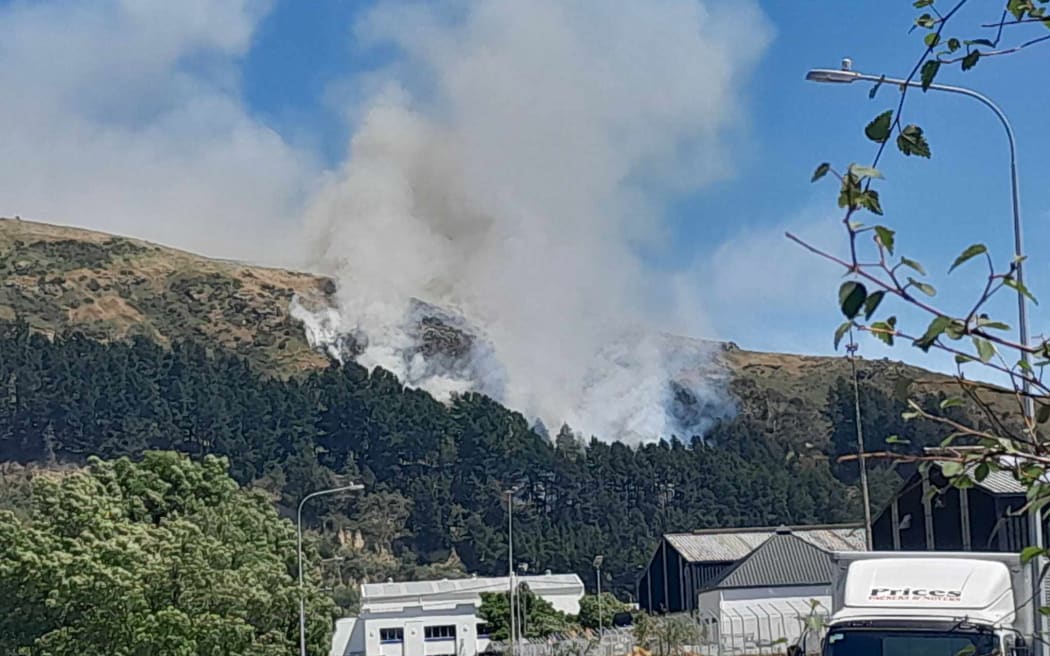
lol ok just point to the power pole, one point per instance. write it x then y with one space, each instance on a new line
851 349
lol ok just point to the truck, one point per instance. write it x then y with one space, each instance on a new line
929 604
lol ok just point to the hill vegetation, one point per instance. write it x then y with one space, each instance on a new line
113 347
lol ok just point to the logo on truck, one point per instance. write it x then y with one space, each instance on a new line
914 594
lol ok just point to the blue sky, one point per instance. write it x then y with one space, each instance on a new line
281 86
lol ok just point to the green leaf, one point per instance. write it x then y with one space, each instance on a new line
821 171
1028 554
1018 8
1042 414
1012 283
970 60
928 72
932 39
885 236
911 141
897 439
865 171
912 264
982 471
956 330
952 402
926 20
985 349
979 42
852 295
953 44
962 358
919 4
840 332
870 200
875 87
883 331
951 468
871 303
970 253
923 287
933 331
984 322
879 128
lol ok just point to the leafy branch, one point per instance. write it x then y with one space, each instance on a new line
973 338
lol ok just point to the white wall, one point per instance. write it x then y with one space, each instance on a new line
751 618
365 637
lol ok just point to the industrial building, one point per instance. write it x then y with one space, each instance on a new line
438 618
686 565
928 514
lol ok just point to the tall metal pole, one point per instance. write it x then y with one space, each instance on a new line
510 569
861 459
299 549
1035 522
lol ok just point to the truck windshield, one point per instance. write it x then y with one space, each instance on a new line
883 642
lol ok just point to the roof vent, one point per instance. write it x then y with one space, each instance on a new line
783 530
546 572
390 580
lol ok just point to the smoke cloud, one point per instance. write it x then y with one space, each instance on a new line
126 116
508 168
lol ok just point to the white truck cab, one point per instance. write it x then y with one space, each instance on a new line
929 604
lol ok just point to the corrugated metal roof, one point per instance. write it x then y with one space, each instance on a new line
722 545
1001 482
997 482
453 588
783 559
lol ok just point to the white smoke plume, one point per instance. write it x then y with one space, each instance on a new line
507 168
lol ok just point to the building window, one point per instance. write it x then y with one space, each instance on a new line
440 632
483 630
391 635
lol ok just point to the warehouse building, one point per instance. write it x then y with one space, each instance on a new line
767 597
684 565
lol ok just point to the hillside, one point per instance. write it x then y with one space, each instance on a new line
73 387
108 287
57 278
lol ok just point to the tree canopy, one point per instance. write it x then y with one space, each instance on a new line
162 556
433 473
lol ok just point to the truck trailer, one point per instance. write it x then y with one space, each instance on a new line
929 604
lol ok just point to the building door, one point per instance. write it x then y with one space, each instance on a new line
413 638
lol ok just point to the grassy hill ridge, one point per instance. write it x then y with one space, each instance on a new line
109 287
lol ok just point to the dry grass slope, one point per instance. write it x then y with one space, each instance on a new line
108 287
58 278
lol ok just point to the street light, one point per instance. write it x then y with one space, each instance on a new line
299 533
598 576
510 566
846 75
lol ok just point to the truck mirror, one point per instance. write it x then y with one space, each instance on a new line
1019 648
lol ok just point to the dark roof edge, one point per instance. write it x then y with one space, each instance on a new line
771 529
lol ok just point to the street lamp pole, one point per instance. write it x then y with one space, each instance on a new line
510 568
299 535
598 576
845 75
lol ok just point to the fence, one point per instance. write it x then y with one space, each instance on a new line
756 629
